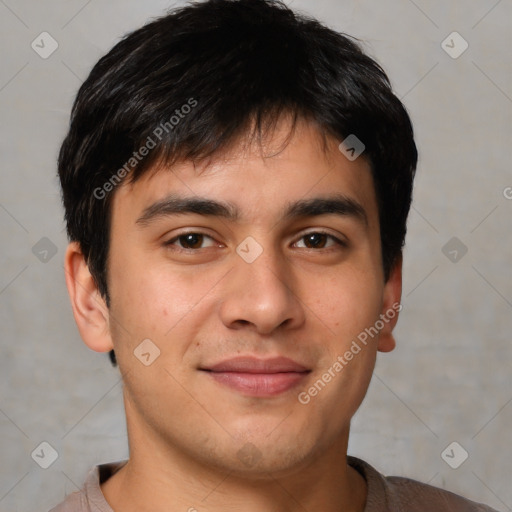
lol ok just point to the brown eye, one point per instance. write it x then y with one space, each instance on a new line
319 240
191 241
315 240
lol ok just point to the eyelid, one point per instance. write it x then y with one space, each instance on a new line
189 231
338 239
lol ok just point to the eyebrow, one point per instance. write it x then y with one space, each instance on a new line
178 205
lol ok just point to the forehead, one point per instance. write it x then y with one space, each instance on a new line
258 177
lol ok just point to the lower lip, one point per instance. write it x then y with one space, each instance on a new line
259 384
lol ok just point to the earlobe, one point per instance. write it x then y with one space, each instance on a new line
391 307
89 308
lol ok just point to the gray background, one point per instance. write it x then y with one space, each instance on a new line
449 378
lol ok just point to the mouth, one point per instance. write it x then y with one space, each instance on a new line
256 377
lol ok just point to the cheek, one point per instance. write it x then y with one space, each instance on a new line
141 288
152 301
347 303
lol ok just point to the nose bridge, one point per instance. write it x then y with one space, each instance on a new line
266 273
261 290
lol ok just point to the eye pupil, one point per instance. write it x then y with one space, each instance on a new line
315 239
191 240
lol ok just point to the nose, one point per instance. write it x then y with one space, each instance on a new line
261 295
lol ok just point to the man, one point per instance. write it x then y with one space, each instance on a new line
237 180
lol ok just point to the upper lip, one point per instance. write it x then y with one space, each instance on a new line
257 365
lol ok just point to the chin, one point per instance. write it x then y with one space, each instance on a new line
264 462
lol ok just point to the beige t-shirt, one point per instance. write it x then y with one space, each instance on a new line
385 494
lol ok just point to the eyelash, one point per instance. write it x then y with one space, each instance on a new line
171 242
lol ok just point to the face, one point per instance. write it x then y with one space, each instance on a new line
252 276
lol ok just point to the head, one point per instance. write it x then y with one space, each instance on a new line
241 104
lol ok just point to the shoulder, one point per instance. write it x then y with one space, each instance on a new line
424 496
399 494
90 498
75 502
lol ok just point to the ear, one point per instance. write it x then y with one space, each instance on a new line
89 308
391 307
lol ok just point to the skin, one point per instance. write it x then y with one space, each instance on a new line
206 304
